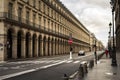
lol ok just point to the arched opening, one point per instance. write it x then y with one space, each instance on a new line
52 47
58 46
48 46
55 47
34 45
39 45
19 42
27 44
44 45
9 44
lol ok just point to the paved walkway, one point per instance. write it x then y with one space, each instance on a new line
103 71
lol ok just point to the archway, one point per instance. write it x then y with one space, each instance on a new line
34 45
44 45
48 46
52 46
9 43
39 45
27 44
19 42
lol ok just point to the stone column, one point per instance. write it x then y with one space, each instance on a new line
57 48
36 48
50 47
14 46
30 48
46 47
42 47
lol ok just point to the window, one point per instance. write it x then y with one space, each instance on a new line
34 3
44 23
19 14
27 1
27 17
10 8
39 21
34 17
39 5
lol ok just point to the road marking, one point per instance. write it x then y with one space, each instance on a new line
28 71
69 61
73 75
76 62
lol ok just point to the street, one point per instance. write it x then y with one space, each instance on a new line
52 68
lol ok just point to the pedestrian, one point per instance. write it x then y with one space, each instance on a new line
106 52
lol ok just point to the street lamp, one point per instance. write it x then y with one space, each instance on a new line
114 61
109 40
95 50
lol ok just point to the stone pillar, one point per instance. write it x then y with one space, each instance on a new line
50 47
42 47
23 55
36 48
14 46
46 47
30 48
53 47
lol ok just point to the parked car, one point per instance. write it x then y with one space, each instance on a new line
81 53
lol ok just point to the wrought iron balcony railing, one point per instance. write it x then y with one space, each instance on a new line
25 23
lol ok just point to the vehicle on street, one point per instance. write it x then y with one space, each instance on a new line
81 53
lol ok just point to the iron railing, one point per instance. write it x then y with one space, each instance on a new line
25 23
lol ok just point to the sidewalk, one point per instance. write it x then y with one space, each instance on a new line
103 71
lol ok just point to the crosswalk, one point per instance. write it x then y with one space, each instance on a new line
23 64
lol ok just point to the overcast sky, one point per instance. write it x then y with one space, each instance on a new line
95 15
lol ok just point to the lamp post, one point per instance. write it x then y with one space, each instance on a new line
109 39
95 50
114 61
70 42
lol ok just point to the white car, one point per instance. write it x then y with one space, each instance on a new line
81 53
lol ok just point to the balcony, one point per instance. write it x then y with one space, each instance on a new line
24 23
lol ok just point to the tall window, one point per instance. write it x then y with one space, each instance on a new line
27 17
10 9
39 5
44 23
39 21
27 1
34 3
34 16
19 14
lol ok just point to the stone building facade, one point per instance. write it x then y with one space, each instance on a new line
36 28
116 10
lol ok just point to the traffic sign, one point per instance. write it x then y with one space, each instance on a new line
70 41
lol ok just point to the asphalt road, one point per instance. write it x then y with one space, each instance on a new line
52 68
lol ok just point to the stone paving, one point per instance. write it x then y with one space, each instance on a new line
103 71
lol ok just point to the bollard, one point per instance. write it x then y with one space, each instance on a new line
91 63
85 66
66 77
80 72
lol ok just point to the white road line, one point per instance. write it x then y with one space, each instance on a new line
73 75
76 62
28 71
69 61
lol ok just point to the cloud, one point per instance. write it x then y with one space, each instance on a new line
95 15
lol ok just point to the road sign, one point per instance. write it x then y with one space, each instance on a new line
70 41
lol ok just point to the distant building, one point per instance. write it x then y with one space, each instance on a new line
116 8
36 28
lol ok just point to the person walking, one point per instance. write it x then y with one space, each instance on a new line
106 52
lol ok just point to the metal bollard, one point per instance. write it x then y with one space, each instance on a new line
85 66
80 72
91 63
66 77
